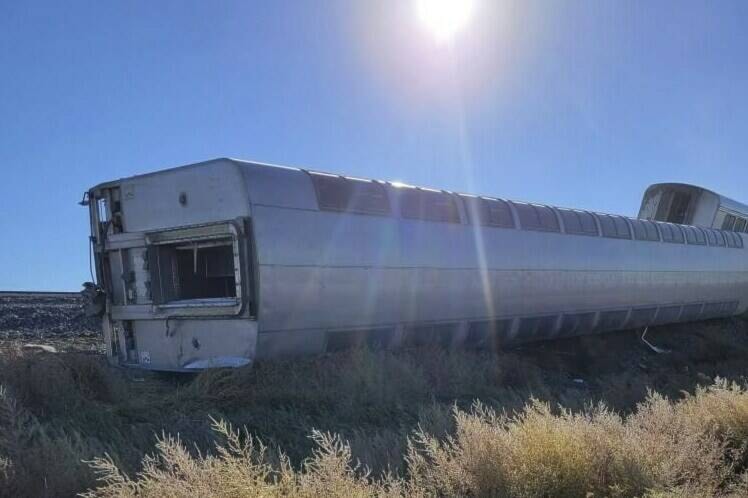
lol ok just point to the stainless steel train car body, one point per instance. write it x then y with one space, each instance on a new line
692 205
309 278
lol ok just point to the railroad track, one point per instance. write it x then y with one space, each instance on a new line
38 294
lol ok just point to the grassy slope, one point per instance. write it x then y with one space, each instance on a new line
58 410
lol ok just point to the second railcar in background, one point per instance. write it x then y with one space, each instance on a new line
223 262
692 205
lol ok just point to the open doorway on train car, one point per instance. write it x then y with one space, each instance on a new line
200 270
198 266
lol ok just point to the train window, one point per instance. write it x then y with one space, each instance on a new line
730 308
668 314
614 226
611 320
640 233
730 241
496 213
712 310
644 230
678 235
487 334
576 324
342 340
379 339
710 236
652 233
719 238
739 225
695 236
536 217
641 317
728 222
540 327
691 312
671 233
578 222
429 205
336 193
734 239
439 335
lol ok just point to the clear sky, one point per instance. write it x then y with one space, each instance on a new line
574 103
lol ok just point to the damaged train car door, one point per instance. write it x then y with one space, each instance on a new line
177 298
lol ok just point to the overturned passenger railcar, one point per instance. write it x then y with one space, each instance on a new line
223 262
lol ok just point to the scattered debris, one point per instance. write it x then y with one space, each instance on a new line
42 348
651 346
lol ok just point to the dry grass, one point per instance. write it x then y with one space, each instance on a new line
404 424
663 449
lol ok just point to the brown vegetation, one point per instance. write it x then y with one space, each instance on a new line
364 423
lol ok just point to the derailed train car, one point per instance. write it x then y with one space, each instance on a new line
224 262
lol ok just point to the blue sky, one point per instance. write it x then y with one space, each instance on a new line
575 103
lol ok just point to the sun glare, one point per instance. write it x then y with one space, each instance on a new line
444 18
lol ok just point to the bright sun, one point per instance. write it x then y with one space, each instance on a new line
444 18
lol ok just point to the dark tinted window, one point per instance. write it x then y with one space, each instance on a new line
641 317
495 212
614 226
671 233
733 239
536 328
644 230
730 308
487 334
691 312
578 222
728 222
428 205
712 310
611 320
695 236
730 240
576 324
668 314
710 236
440 334
535 217
739 225
716 239
342 194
